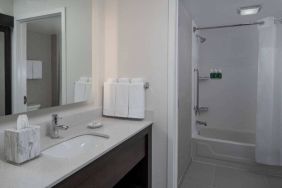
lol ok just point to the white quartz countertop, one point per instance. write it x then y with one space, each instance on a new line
47 171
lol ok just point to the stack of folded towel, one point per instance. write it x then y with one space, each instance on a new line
125 98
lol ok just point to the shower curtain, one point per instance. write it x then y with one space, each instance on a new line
269 94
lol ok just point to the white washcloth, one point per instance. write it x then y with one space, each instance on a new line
137 99
122 92
109 100
22 122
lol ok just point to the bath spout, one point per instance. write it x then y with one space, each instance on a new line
201 123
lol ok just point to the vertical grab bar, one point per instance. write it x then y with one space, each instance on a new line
198 109
197 106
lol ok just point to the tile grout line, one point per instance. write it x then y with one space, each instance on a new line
213 178
184 175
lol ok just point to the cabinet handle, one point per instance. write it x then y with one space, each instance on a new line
25 99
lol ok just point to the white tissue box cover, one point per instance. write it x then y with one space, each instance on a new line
22 145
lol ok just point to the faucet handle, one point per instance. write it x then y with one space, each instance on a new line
204 123
55 118
64 127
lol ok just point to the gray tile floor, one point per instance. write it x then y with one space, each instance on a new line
202 175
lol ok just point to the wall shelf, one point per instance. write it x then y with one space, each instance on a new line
203 78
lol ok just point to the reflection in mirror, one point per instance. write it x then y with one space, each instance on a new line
6 24
43 63
52 54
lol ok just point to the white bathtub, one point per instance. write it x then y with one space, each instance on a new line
224 145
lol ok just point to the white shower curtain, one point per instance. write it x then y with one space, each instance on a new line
269 94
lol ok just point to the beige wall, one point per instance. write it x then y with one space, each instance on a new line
135 45
184 88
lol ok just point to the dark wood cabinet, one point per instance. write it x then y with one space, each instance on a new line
127 165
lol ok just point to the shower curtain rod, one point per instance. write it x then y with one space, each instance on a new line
226 26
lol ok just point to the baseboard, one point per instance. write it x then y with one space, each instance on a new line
256 168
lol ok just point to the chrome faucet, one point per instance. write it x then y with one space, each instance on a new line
201 123
54 127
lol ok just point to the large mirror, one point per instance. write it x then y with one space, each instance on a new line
45 54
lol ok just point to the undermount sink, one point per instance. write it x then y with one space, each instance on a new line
74 147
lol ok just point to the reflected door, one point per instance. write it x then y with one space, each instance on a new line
5 71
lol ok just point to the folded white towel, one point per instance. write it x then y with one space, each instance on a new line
137 99
109 100
122 92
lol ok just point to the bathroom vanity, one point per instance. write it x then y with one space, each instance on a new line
127 165
80 159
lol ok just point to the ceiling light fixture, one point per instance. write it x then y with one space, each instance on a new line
251 10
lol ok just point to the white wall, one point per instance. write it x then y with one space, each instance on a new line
232 100
6 7
135 45
2 73
79 34
184 88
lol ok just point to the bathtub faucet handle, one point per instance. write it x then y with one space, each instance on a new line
201 123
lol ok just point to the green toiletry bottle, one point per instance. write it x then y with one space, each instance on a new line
212 74
219 74
215 74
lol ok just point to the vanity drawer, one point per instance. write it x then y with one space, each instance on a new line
109 169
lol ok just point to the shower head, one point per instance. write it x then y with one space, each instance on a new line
201 39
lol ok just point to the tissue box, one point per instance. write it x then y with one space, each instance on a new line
22 145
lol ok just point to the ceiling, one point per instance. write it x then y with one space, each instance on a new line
220 12
49 26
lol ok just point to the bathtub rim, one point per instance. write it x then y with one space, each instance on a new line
203 138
